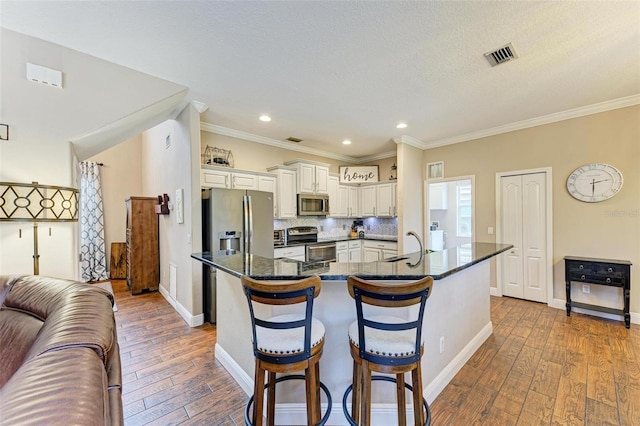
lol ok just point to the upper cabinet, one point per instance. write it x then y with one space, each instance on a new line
386 199
378 199
437 196
312 177
285 199
222 177
340 197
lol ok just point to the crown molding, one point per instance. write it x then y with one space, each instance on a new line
539 121
409 140
213 128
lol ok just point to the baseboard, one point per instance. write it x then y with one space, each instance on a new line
191 320
433 389
238 374
296 414
561 304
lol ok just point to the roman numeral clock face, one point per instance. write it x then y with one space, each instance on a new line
594 182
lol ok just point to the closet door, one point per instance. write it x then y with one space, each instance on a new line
524 225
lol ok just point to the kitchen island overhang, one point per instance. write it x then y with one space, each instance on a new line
457 314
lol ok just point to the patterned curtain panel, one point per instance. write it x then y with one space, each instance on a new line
93 262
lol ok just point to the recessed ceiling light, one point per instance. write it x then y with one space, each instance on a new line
265 118
346 142
401 125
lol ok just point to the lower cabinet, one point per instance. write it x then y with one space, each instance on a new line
342 252
378 250
355 251
295 253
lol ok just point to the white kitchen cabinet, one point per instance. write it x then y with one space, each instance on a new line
216 178
353 200
268 184
295 253
438 196
386 200
339 199
355 251
378 250
244 181
342 251
312 177
368 201
335 204
285 192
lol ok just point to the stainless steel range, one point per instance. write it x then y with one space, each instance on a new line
315 251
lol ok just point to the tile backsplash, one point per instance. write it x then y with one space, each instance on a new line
331 227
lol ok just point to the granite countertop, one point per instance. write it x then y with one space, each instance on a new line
410 266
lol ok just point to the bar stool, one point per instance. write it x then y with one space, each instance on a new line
285 344
386 344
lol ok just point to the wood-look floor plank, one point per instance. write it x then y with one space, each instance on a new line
534 369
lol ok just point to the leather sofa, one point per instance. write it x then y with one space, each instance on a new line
59 354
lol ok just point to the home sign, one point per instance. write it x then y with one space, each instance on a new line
358 174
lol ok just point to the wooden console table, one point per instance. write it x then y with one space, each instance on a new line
612 273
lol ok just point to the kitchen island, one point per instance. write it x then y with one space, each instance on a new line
456 321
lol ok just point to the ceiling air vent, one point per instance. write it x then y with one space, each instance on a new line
504 54
292 139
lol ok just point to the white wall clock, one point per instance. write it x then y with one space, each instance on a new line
594 182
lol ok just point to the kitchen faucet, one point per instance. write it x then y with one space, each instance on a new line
419 242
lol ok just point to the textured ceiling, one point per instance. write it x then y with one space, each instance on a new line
326 71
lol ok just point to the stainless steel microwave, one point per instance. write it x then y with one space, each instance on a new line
313 205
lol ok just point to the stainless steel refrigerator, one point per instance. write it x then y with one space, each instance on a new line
234 221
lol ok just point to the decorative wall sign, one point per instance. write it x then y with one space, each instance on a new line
358 174
4 132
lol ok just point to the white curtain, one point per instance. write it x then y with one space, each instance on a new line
93 262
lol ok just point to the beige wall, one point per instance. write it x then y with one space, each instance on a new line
409 198
609 229
121 178
165 169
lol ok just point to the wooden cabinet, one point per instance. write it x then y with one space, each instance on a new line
143 254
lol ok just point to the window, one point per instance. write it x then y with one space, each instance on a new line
463 209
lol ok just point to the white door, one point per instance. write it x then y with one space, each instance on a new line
524 223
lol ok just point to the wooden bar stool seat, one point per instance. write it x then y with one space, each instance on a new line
386 343
285 344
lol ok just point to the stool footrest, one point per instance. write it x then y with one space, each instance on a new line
427 421
247 410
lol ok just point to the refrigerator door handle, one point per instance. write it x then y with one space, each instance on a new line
248 223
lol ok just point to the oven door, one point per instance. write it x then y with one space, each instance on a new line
323 252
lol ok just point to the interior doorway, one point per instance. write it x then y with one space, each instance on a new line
523 218
450 215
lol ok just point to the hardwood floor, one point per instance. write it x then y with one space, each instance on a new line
539 367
